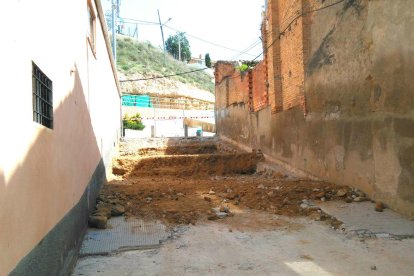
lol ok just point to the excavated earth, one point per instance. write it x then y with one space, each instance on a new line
181 181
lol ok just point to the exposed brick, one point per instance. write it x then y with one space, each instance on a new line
259 88
288 40
232 86
239 88
223 69
279 79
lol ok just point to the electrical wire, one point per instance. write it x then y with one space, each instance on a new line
206 41
140 21
294 19
250 47
273 42
143 22
287 27
165 76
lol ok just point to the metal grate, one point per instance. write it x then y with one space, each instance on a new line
42 97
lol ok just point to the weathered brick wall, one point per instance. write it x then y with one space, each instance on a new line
223 70
288 40
272 55
259 89
221 93
239 87
359 116
232 86
291 54
279 80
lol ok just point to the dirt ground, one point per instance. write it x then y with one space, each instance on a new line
181 181
229 213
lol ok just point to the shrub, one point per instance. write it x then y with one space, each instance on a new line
134 122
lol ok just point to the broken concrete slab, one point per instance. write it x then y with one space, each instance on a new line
123 235
362 217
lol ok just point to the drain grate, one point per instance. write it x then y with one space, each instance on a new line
123 235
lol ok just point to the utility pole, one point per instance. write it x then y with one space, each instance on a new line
162 34
114 7
117 16
136 30
179 47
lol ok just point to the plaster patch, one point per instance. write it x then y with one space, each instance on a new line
387 168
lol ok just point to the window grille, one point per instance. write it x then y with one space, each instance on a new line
42 97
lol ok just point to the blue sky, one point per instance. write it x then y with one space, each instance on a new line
231 23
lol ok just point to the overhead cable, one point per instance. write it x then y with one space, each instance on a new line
165 76
206 41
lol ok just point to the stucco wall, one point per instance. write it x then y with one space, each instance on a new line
44 172
358 128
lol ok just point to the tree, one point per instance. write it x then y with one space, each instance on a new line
207 59
171 45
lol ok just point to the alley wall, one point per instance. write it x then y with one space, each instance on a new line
340 95
49 177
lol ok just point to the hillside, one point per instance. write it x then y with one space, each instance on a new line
136 60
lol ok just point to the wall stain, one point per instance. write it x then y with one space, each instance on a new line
406 184
322 56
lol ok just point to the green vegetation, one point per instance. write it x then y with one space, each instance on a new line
142 57
134 122
247 65
207 60
172 46
243 67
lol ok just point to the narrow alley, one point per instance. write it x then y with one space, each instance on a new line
236 137
232 213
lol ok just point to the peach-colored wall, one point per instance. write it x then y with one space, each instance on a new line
43 172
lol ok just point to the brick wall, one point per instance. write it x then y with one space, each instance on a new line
291 54
272 55
259 89
356 132
232 86
287 40
223 70
239 88
279 79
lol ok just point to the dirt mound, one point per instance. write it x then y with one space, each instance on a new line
186 200
187 165
218 182
178 150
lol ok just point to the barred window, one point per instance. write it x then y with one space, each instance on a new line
42 97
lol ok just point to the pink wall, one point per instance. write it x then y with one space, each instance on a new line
44 172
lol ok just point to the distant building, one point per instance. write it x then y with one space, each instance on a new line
200 61
60 115
197 60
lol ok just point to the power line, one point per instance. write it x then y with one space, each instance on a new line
209 42
287 27
247 49
143 22
295 18
136 22
165 76
140 21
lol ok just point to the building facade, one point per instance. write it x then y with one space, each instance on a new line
61 119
